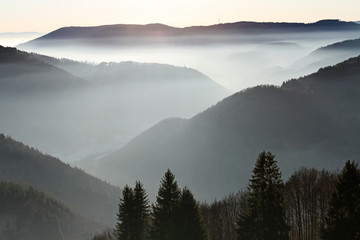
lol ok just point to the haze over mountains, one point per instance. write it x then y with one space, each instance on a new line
232 54
127 102
329 55
312 121
60 105
22 74
11 39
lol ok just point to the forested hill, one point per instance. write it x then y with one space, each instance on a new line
312 121
22 73
26 213
347 45
87 195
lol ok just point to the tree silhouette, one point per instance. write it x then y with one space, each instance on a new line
141 212
133 216
189 222
165 209
266 217
125 217
343 220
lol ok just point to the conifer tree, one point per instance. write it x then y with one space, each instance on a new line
133 216
141 212
343 220
266 217
189 222
125 216
165 209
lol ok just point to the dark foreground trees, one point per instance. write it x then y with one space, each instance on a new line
343 218
133 215
189 221
263 212
176 214
165 209
266 217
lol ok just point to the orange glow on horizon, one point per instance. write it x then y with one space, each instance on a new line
46 16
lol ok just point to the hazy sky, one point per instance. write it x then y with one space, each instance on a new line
48 15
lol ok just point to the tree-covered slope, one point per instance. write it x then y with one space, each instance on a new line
312 121
26 213
85 194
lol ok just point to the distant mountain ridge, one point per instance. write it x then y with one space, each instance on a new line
123 30
329 55
353 44
153 33
312 121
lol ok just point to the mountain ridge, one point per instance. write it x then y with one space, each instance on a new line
306 122
153 33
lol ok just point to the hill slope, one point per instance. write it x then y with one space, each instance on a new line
312 121
87 195
23 74
26 213
329 55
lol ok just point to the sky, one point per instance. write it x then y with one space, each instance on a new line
48 15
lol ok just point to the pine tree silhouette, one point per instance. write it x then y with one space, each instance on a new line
266 217
343 215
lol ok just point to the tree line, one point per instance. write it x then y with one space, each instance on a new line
310 205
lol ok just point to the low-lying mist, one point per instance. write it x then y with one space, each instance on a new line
234 61
120 100
114 103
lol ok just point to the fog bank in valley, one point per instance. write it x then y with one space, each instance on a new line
238 62
76 110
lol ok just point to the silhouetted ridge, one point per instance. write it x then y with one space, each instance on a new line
347 71
120 34
12 55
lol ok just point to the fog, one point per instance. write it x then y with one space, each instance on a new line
236 62
114 102
10 39
121 100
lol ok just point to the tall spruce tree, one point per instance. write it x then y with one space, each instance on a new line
125 217
165 209
133 215
343 216
141 212
266 217
189 222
